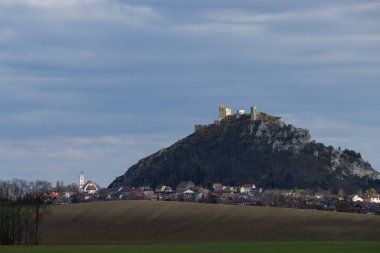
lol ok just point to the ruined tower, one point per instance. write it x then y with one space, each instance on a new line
239 113
253 113
224 112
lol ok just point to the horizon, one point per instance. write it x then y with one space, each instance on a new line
98 85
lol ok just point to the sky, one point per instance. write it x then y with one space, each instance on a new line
96 85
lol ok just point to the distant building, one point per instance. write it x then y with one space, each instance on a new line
224 112
253 113
227 197
89 187
217 187
81 181
163 189
149 195
239 113
374 199
184 186
134 194
247 188
356 198
203 193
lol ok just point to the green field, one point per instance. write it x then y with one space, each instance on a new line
267 247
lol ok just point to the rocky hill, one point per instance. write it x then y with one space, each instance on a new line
266 151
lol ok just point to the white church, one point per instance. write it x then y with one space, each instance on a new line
89 187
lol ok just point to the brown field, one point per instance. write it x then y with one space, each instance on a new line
121 222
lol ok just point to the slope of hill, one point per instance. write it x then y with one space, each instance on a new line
121 222
267 152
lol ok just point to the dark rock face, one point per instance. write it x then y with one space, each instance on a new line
266 152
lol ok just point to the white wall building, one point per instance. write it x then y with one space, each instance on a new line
247 188
89 187
356 198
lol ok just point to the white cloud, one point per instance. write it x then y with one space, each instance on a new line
75 154
46 3
331 34
111 140
210 29
315 13
85 10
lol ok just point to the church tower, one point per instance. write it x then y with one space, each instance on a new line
81 180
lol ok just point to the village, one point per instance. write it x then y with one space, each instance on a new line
248 194
367 202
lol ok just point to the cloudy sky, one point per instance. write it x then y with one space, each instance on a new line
96 85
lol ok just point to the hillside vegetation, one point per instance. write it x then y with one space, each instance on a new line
121 222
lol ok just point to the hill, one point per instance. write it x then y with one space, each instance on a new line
121 222
265 151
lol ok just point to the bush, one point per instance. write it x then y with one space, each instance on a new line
352 153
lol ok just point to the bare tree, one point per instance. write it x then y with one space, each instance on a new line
59 186
21 210
72 187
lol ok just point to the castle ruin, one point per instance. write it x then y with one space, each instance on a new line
227 111
253 113
224 112
239 113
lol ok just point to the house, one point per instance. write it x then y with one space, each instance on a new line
54 195
356 198
105 193
189 195
133 195
61 200
217 187
202 193
247 188
163 189
114 193
184 186
319 195
150 195
90 197
90 187
231 189
374 199
279 192
145 188
68 194
87 188
227 197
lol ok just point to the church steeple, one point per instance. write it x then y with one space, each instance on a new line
81 180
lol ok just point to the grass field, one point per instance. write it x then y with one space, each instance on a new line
140 222
267 247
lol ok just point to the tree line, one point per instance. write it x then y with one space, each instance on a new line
22 208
